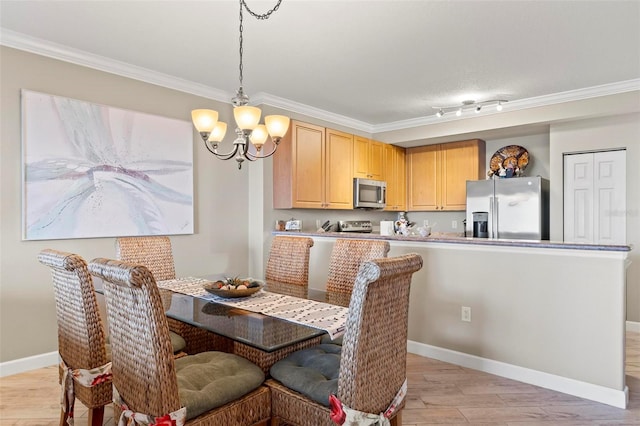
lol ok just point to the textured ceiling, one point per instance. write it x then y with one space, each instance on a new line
373 61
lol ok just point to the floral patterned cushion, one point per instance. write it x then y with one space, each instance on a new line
313 372
211 379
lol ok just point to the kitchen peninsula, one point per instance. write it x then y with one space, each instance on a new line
542 312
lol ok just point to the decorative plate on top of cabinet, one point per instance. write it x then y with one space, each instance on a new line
510 154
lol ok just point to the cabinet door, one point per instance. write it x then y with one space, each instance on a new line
390 176
308 163
361 157
423 169
376 158
461 161
401 179
394 175
339 170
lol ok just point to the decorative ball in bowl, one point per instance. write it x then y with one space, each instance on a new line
234 287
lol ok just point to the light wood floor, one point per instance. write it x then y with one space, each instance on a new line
438 393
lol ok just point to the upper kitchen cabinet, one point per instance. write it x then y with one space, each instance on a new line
437 174
395 175
368 157
313 168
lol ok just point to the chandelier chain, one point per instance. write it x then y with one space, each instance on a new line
263 16
241 39
257 16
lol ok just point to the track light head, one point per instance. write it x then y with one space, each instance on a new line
468 105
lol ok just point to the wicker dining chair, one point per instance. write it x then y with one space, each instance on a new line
287 269
368 370
81 337
156 253
214 388
346 257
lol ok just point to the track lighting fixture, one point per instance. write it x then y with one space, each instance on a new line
468 105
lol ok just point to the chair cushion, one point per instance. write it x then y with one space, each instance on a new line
177 342
313 372
327 339
211 379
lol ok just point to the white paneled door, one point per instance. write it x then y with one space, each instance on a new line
595 197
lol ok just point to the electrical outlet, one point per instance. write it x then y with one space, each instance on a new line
454 224
466 314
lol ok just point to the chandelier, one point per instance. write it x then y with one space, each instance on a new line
470 105
247 118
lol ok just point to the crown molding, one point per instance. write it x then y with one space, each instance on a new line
538 101
79 57
64 53
289 105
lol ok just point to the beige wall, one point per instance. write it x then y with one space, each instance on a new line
27 311
621 131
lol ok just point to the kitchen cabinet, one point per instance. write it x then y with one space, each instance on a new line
395 176
313 168
437 174
368 157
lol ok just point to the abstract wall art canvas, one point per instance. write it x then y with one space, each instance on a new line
93 171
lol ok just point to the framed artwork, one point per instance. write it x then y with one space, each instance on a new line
93 171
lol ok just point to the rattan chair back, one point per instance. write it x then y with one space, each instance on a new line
346 258
142 359
154 252
288 261
374 349
81 337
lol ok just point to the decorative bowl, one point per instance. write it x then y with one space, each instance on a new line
215 288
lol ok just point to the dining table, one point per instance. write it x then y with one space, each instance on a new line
264 327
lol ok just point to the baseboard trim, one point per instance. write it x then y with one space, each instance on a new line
566 385
27 364
633 326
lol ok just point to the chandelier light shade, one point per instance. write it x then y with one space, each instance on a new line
277 125
259 136
469 105
247 118
204 120
218 132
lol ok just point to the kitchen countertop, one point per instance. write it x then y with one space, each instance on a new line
451 238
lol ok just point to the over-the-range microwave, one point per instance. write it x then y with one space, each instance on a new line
369 194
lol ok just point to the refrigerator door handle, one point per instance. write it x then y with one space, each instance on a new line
494 218
491 214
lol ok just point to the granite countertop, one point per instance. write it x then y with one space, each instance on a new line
453 238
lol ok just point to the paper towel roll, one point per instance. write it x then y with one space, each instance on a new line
386 227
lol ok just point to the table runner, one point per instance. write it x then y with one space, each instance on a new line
323 316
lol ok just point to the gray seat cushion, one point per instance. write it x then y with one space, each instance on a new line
211 379
312 372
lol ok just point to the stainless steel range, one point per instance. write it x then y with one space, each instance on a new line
354 226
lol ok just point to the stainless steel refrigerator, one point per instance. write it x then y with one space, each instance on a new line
518 208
